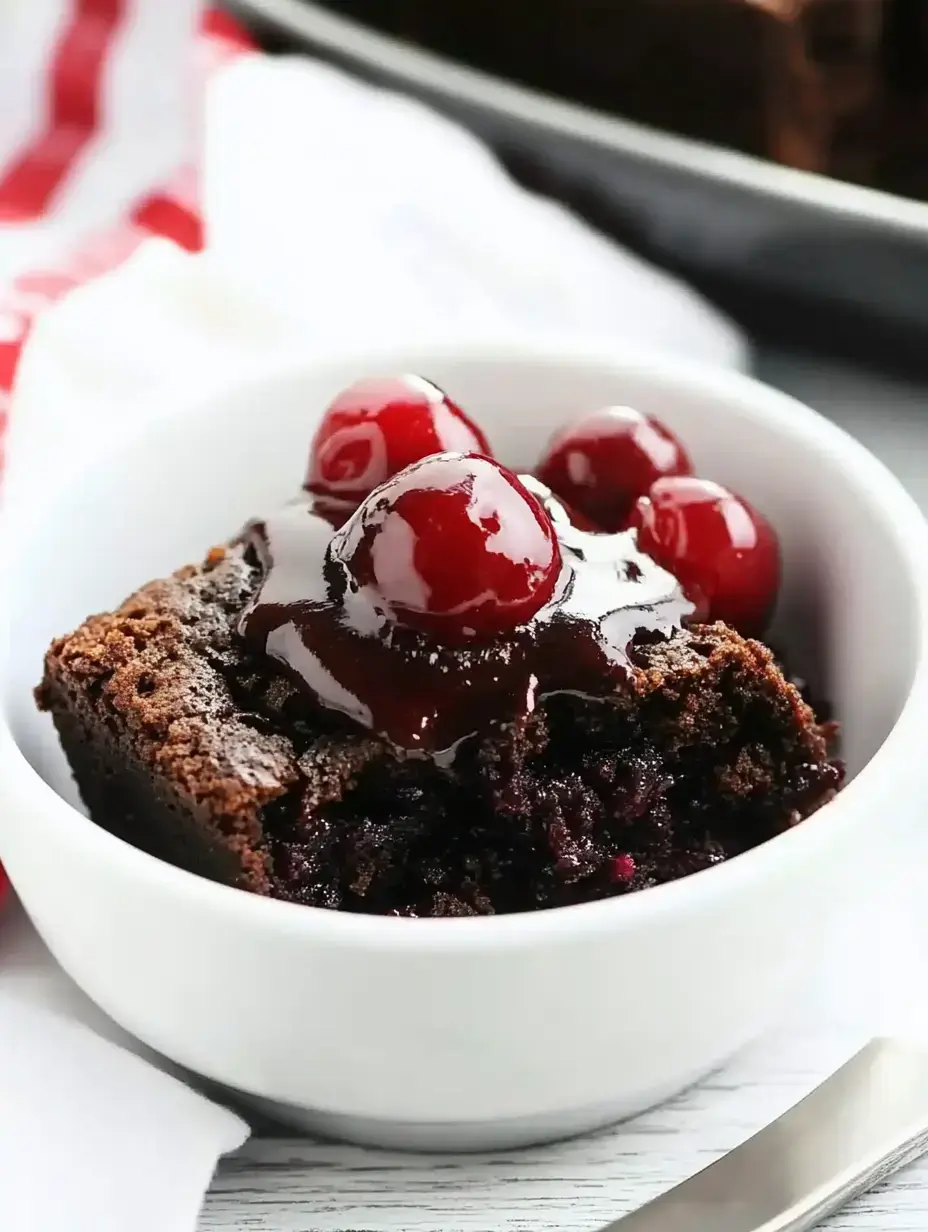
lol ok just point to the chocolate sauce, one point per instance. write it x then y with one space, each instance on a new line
351 655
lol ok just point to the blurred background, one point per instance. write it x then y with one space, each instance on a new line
774 154
588 100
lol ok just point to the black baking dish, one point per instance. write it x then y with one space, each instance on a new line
804 257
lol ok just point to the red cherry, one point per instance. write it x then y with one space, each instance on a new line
454 545
602 463
4 885
377 426
724 553
558 510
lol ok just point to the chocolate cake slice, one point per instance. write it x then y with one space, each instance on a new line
798 81
430 686
190 745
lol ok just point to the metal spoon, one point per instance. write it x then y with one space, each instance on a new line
861 1125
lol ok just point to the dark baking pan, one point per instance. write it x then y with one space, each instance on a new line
800 258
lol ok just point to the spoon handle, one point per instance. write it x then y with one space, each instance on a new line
857 1128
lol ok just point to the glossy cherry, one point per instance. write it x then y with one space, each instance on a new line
454 545
603 462
376 427
724 553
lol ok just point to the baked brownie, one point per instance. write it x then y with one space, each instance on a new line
797 81
240 719
904 139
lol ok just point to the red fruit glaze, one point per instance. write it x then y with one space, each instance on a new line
602 463
723 552
454 545
376 427
622 868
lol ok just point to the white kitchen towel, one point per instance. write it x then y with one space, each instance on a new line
87 124
100 134
335 215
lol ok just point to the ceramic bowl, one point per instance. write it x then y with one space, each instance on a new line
488 1032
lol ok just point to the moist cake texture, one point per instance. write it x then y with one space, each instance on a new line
187 744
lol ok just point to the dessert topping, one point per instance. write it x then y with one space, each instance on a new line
429 593
453 545
376 427
723 551
604 461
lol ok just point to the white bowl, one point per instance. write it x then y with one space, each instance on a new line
470 1033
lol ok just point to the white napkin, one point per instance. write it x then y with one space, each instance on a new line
93 1139
336 216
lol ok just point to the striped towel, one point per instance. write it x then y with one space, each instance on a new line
99 131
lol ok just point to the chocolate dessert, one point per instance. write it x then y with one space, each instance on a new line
831 86
904 137
431 687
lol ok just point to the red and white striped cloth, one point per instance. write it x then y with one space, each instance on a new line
99 131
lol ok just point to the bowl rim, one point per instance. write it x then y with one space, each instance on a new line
25 789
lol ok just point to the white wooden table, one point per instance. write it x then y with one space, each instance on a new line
294 1186
289 1185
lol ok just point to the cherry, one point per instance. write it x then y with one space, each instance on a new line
4 885
724 553
454 545
376 427
602 463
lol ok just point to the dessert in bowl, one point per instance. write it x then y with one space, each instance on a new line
297 719
430 687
